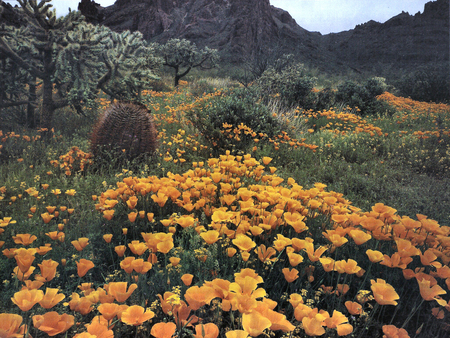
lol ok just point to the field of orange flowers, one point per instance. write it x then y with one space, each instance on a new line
194 245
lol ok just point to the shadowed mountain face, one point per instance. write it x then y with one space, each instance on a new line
240 27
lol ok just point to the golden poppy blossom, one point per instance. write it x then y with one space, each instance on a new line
290 275
209 330
26 299
24 258
119 290
109 310
51 298
163 330
10 325
81 243
24 239
187 279
383 292
53 323
429 292
210 236
83 266
255 323
48 269
136 315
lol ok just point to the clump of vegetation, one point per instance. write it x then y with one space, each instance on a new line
291 84
233 109
362 96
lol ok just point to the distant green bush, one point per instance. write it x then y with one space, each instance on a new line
363 95
291 84
239 106
426 84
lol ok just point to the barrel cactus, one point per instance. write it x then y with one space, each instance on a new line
125 129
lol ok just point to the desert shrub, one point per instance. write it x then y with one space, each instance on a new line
325 99
363 95
124 130
292 85
425 84
236 108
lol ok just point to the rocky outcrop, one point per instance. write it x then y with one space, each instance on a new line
236 27
403 41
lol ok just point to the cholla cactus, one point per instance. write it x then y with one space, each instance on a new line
124 128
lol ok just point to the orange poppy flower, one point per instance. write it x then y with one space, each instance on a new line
47 217
187 279
136 315
231 252
141 266
107 238
83 266
126 264
26 299
53 323
265 254
391 331
243 242
79 304
10 325
23 276
163 330
51 298
160 199
255 323
24 259
24 239
165 246
290 275
120 250
109 310
210 236
236 334
30 285
313 326
428 292
349 267
98 328
383 292
294 259
132 201
354 308
375 256
199 296
42 250
81 243
209 330
119 290
339 322
108 214
138 248
359 236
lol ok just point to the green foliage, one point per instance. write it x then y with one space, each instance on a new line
363 96
426 84
292 84
183 55
235 108
74 59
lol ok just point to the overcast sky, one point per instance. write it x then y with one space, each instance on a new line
323 16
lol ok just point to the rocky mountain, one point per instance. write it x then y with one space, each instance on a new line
240 27
404 41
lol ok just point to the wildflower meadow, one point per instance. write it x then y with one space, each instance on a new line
297 223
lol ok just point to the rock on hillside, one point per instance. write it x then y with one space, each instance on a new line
239 27
236 27
403 41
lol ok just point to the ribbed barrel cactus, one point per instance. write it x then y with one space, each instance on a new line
124 129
